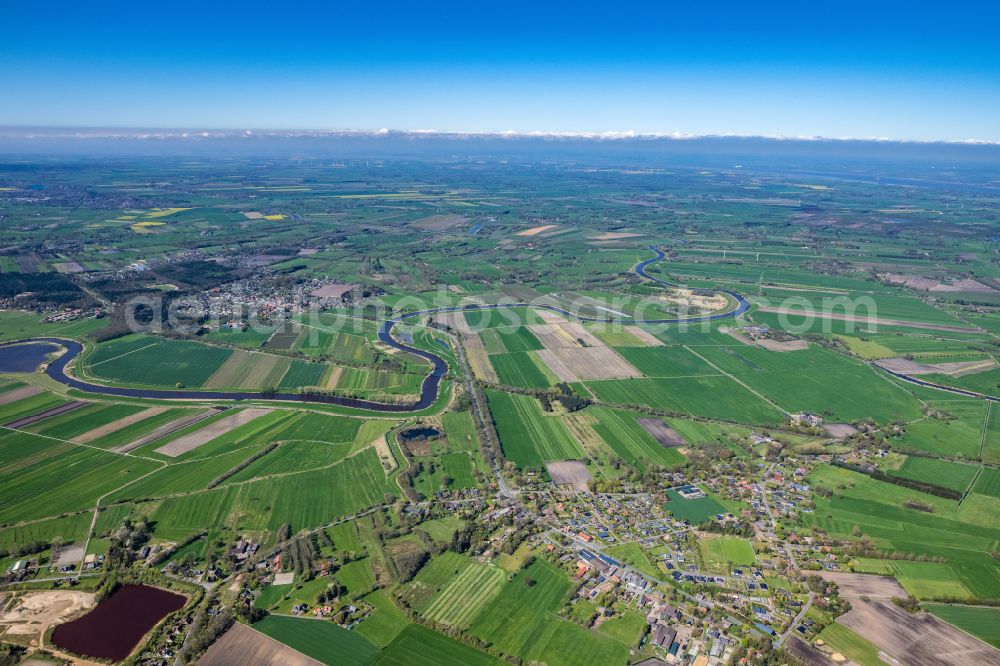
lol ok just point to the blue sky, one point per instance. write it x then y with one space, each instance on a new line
844 69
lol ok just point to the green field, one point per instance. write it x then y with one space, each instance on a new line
465 595
148 361
322 640
419 646
529 437
532 596
385 622
697 396
980 621
630 441
695 511
302 373
853 646
951 475
964 536
721 552
519 369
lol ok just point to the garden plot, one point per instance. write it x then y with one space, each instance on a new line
193 440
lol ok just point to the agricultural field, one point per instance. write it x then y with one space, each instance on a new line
528 435
147 361
419 646
981 622
538 635
459 533
323 641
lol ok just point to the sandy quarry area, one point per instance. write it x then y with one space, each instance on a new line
31 613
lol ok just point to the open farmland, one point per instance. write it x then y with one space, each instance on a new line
539 635
219 427
146 361
981 622
630 441
242 645
529 436
468 592
249 370
325 642
483 527
419 646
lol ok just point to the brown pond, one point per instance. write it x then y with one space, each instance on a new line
117 624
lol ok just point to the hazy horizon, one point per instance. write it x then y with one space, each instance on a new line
887 71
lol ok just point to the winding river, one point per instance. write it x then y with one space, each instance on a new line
432 382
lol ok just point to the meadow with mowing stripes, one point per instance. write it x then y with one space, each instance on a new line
533 596
465 595
530 437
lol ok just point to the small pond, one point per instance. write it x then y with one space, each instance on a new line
117 624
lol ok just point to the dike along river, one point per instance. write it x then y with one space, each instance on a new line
428 389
